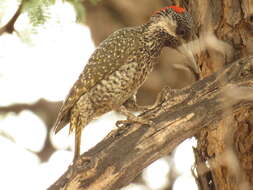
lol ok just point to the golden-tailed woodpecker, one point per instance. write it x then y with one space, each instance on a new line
119 66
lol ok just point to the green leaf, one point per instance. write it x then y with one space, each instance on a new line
38 10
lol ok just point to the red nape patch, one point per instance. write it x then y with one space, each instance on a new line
175 8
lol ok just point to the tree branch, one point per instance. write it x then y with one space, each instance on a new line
178 115
9 27
41 107
47 111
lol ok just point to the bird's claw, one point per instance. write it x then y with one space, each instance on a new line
121 123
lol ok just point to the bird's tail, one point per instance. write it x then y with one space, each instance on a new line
60 122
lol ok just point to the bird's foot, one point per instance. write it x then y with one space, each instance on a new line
131 118
131 105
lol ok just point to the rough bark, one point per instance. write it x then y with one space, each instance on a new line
224 156
178 114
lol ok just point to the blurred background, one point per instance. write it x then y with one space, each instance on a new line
44 46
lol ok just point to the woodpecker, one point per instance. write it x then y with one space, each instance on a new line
119 66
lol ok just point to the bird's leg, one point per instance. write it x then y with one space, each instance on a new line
131 105
78 133
130 117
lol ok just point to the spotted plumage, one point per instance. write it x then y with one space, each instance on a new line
118 67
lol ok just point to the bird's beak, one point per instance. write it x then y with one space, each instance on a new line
186 51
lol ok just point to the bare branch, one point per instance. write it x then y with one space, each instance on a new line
9 27
41 108
178 115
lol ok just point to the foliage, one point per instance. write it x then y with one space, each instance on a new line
37 10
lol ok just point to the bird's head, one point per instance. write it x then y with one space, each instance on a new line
174 24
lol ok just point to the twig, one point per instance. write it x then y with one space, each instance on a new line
9 27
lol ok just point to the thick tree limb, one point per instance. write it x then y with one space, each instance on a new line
178 115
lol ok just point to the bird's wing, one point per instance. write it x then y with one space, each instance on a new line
108 57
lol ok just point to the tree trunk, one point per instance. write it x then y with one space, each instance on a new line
224 154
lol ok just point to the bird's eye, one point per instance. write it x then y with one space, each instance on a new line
180 31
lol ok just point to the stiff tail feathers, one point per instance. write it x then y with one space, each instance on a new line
61 121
